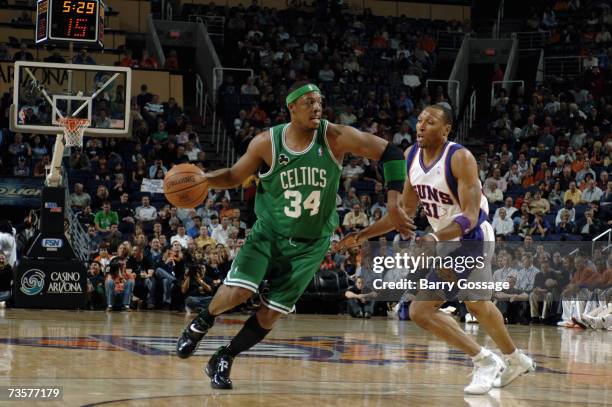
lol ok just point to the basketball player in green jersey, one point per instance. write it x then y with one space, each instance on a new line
296 216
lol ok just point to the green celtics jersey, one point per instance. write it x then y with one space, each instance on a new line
296 197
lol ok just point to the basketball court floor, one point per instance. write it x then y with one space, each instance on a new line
127 359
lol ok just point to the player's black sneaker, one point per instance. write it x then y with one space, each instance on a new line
188 341
218 369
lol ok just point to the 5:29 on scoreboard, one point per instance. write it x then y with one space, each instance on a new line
80 21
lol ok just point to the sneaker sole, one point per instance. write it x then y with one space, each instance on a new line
579 323
530 369
190 354
502 368
230 387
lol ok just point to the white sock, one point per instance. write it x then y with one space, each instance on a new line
513 355
481 355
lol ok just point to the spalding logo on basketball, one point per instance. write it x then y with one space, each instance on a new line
185 186
32 282
184 180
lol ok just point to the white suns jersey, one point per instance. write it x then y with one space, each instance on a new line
437 187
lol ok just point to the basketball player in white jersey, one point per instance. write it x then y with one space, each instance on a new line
443 177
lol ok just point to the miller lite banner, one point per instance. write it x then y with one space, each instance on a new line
21 191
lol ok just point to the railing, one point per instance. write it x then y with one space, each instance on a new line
224 144
206 60
608 246
450 40
467 120
153 43
460 71
498 22
78 237
215 25
512 64
540 72
167 12
532 40
201 101
507 88
567 67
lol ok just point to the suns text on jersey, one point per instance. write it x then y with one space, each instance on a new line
429 193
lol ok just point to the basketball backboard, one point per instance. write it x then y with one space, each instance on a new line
45 92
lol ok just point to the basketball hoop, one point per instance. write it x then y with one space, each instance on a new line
73 128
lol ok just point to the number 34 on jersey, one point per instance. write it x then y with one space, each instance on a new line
311 203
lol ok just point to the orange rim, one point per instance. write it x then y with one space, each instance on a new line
72 124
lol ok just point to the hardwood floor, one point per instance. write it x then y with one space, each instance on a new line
128 359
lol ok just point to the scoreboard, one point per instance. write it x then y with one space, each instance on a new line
79 21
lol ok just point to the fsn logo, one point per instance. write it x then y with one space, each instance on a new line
52 243
32 282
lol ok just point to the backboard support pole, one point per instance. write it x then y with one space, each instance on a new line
54 178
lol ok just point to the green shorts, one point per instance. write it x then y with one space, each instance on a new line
289 264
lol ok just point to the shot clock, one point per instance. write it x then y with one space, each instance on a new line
79 21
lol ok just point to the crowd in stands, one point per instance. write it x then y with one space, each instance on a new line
84 57
546 179
549 178
371 69
576 27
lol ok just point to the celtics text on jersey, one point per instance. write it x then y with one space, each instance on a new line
296 197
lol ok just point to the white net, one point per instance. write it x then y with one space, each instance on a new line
73 128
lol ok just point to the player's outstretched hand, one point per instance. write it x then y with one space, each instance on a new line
402 222
349 241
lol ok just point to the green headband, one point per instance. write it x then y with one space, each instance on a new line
301 91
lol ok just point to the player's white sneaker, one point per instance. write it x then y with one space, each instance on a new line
515 366
484 374
450 310
470 319
594 322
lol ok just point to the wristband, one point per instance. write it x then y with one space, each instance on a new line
394 167
464 223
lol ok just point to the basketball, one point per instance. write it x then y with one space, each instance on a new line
185 186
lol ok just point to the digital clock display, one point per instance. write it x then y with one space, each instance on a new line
74 20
